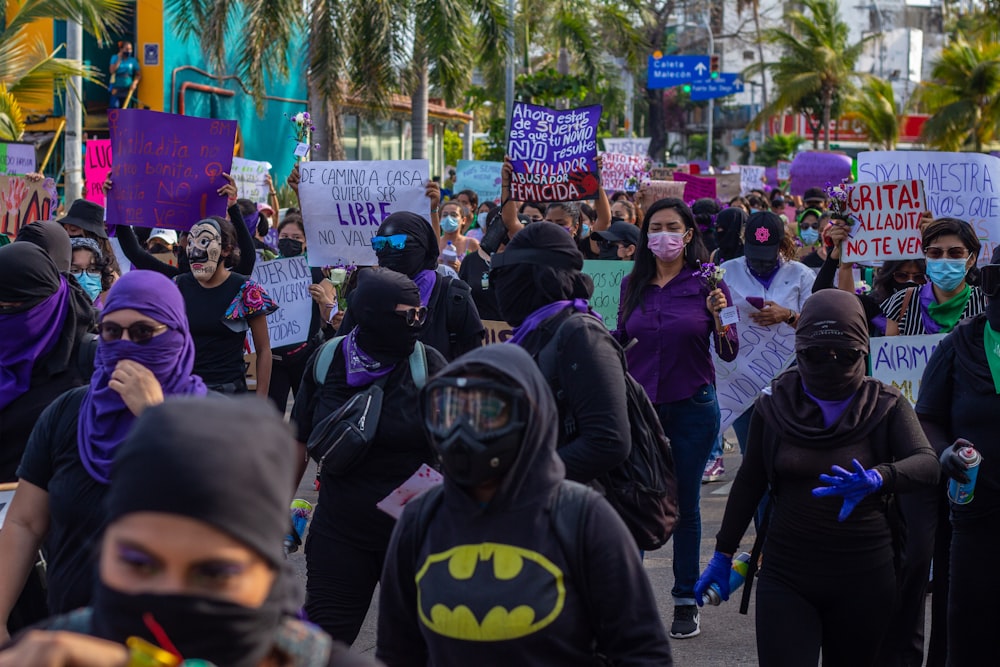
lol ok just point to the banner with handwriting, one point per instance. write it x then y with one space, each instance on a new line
900 361
96 167
251 179
886 221
22 202
481 177
287 281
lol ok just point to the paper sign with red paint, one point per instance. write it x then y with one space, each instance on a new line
886 221
23 202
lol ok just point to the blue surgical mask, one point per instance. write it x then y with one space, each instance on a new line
809 235
947 274
449 224
90 284
585 231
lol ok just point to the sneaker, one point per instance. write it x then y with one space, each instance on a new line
686 622
714 471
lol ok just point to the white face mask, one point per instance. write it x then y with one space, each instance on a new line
481 219
204 251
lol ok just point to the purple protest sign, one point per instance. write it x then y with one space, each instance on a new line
553 153
167 168
697 187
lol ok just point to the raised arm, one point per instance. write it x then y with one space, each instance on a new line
509 211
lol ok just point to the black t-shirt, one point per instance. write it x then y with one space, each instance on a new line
76 502
218 345
347 502
475 273
812 260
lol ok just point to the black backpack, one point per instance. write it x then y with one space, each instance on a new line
643 488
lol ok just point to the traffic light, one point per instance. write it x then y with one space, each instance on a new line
714 66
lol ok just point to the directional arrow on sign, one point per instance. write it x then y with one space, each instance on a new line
700 69
708 89
667 71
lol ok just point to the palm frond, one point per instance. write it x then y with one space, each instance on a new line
100 18
11 116
269 26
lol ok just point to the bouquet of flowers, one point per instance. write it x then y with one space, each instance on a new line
839 195
711 274
861 288
303 134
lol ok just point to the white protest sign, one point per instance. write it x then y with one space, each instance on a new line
620 172
886 221
6 496
17 158
784 170
287 281
251 179
752 177
764 352
957 185
901 360
634 146
343 204
425 478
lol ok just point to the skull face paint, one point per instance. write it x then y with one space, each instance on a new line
204 250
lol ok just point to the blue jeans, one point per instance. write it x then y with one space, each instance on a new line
692 426
717 449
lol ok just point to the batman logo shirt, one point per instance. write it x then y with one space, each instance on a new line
489 592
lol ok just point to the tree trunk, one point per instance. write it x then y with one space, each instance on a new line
827 105
327 121
657 125
418 105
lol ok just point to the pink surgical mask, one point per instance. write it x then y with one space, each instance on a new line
667 246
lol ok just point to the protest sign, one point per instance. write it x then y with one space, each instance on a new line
607 275
23 202
654 191
636 146
17 158
784 170
423 479
727 186
620 172
167 168
6 497
764 352
345 202
96 167
251 179
287 281
752 177
667 173
497 331
886 221
697 187
553 153
900 361
481 177
815 169
957 185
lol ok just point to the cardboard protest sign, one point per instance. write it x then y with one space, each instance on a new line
752 177
96 167
886 221
814 169
553 153
287 281
654 191
497 332
635 146
22 202
481 177
697 186
901 360
620 172
957 185
764 352
17 158
727 186
251 179
345 202
167 168
607 276
666 173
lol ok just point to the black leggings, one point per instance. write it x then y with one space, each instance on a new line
973 614
340 581
845 616
286 374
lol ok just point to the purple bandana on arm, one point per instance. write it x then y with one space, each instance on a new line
425 281
38 329
545 312
926 299
362 370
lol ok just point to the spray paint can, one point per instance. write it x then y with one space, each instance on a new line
741 565
959 493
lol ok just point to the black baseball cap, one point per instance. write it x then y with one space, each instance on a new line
814 194
764 234
620 231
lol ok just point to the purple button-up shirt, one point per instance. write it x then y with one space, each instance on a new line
672 357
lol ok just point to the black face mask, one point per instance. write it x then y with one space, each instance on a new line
388 341
608 253
515 292
408 261
220 632
762 268
830 380
471 460
289 247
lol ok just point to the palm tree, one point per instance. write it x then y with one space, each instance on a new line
11 116
963 96
874 107
816 66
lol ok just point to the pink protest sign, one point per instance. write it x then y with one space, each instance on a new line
425 478
697 186
167 168
96 167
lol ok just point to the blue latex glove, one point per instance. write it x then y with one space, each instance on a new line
717 572
853 487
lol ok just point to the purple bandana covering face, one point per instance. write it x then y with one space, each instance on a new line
425 281
545 312
39 329
104 417
362 370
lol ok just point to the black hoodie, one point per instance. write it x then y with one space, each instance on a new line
514 531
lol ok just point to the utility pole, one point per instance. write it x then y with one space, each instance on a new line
72 146
510 64
711 102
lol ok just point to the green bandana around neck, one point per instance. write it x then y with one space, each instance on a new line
948 314
991 339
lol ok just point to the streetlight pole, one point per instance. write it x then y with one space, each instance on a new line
509 97
73 147
711 102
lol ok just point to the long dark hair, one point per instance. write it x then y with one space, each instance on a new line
229 241
644 268
884 284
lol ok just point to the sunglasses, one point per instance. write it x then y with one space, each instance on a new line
989 280
907 277
413 316
806 225
139 332
396 242
954 252
820 355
